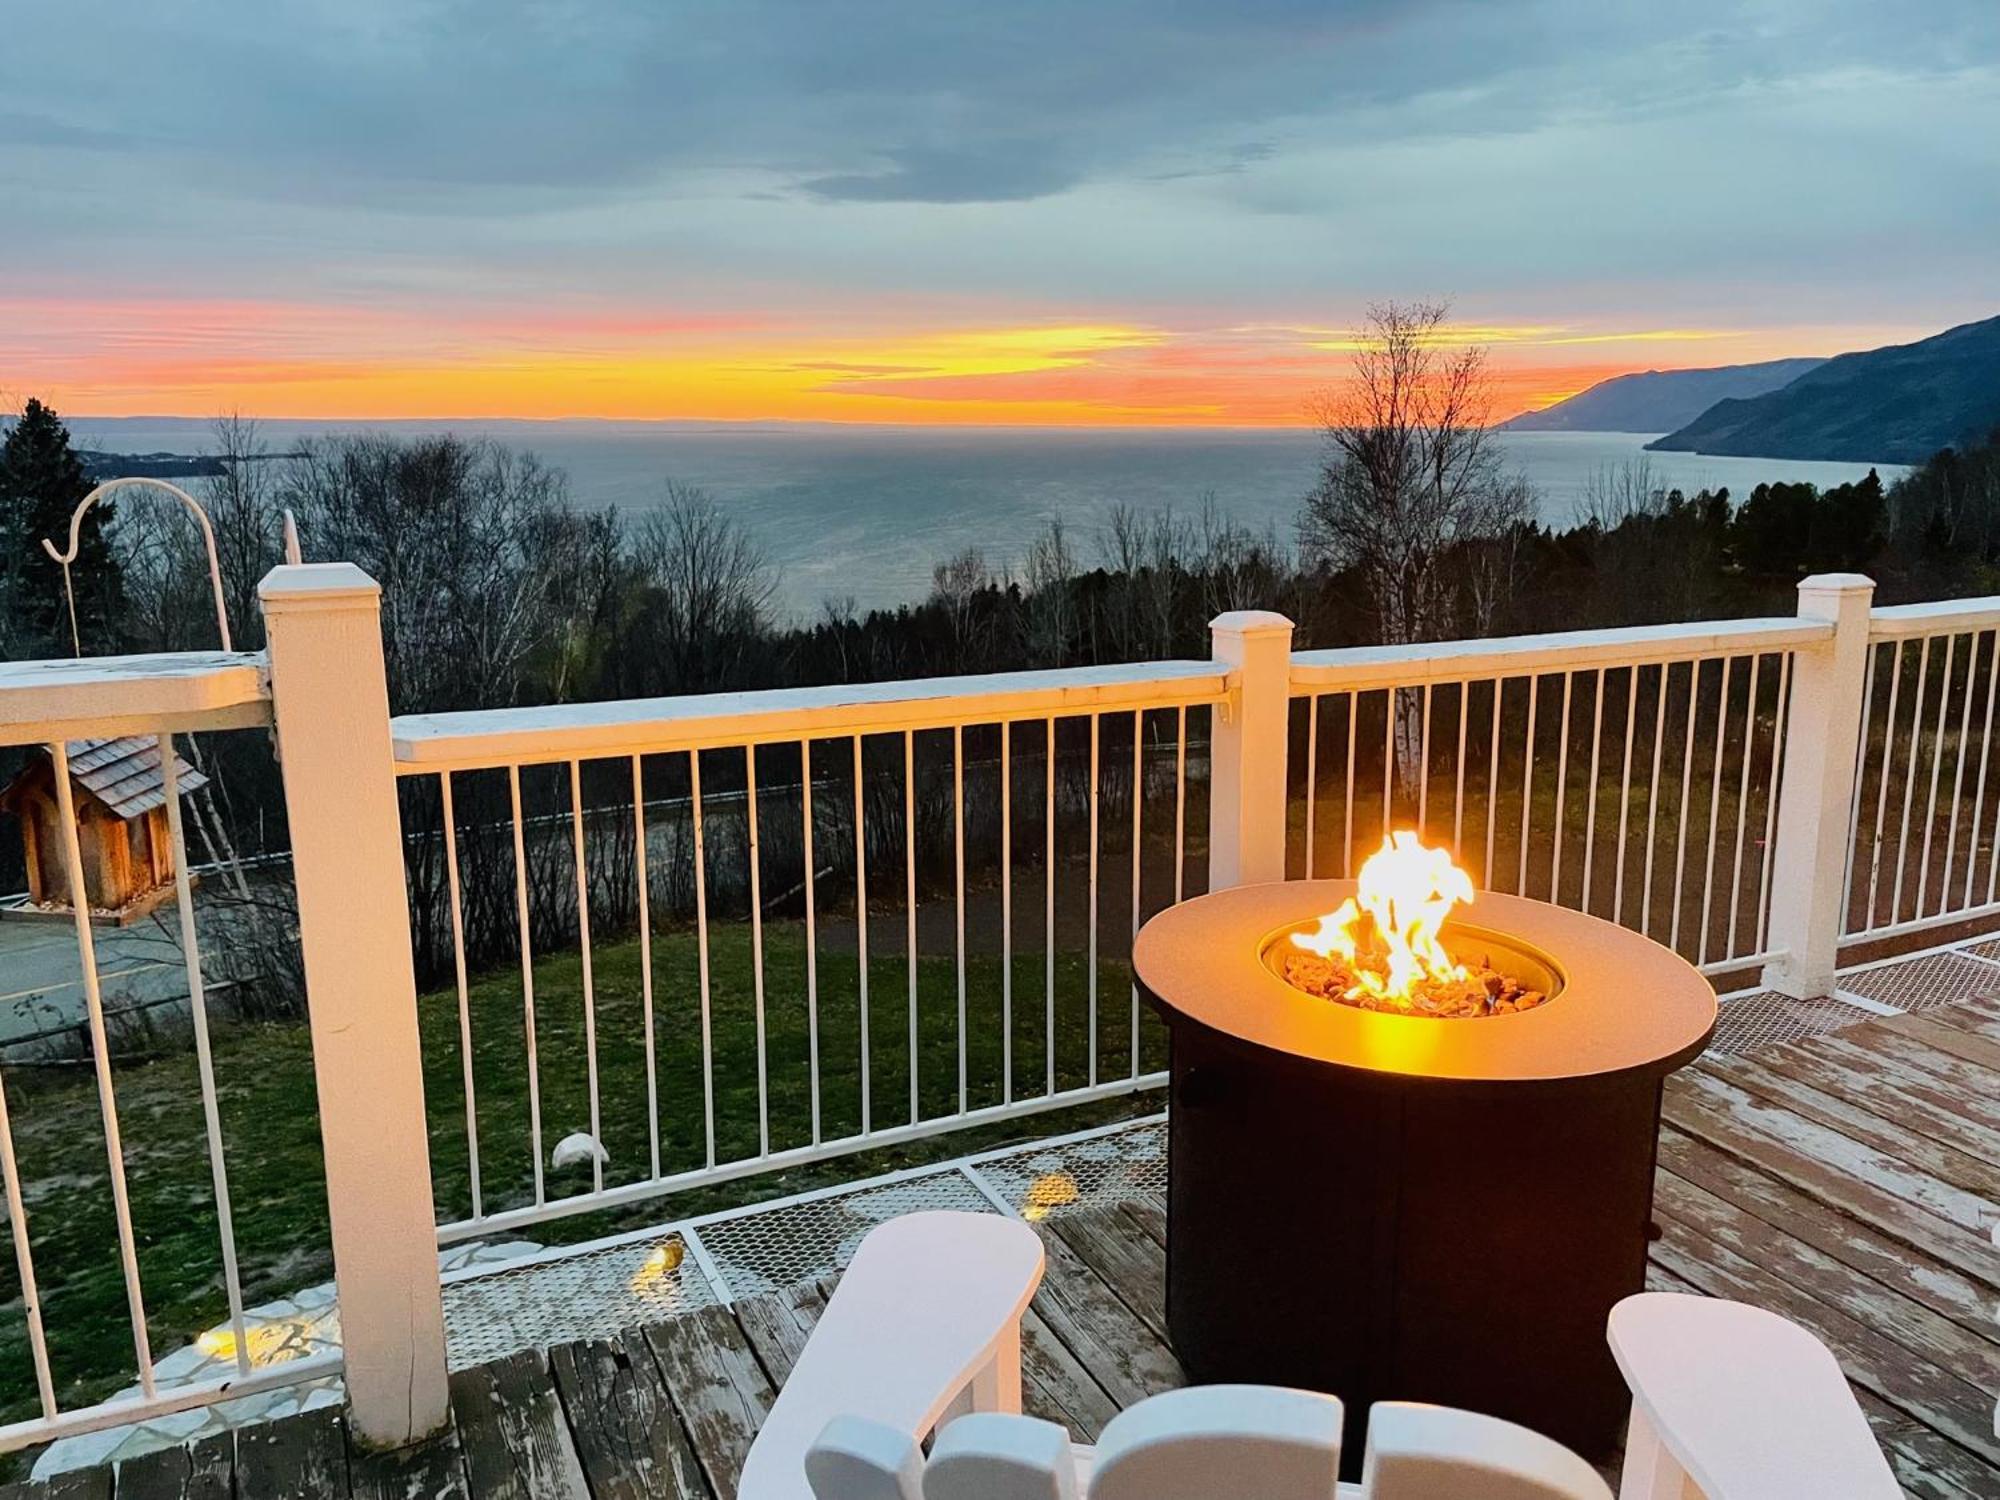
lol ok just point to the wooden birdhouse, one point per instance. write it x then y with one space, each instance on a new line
120 794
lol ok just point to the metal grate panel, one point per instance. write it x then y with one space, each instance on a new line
1924 982
804 1239
1046 1181
588 1295
1987 948
1756 1022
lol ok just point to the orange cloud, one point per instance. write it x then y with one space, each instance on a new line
382 361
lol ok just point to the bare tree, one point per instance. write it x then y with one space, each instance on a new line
707 591
956 586
1412 480
1411 470
1049 616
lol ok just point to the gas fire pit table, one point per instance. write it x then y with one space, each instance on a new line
1390 1206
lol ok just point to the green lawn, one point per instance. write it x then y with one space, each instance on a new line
271 1130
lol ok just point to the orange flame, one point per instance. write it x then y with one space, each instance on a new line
1406 893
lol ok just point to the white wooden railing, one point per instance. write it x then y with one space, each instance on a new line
1753 792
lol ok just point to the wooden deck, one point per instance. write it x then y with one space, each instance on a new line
1847 1181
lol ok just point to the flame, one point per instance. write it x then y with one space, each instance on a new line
1406 893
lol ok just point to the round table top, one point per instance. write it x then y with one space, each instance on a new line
1626 1004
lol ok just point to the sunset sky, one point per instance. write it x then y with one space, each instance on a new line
911 211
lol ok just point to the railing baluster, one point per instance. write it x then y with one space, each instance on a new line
1860 777
527 979
1458 780
452 889
1882 777
958 890
1742 808
1714 812
1910 780
1687 789
1007 911
812 934
1091 940
24 1261
1180 802
1780 722
1049 909
702 958
225 1218
757 948
1347 802
1312 784
1653 800
1138 801
1424 769
1625 791
1562 790
1388 760
641 872
1958 771
910 903
861 933
1527 781
1590 813
589 985
1493 779
1937 762
100 1044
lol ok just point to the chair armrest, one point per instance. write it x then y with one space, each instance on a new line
1745 1404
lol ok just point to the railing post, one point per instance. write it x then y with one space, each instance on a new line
1248 750
1816 787
331 703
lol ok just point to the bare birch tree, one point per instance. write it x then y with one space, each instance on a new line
1412 483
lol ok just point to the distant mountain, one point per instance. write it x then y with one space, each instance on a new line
1658 400
1894 405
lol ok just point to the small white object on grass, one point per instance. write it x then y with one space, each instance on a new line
576 1149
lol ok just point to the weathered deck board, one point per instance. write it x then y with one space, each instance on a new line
510 1424
201 1471
1849 1241
432 1468
717 1386
304 1455
1846 1182
627 1439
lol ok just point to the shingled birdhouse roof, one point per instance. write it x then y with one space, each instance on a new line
124 774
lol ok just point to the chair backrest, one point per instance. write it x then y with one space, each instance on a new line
994 1456
1438 1453
858 1459
1220 1440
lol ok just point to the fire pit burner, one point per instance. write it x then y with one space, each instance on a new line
1384 1205
1501 977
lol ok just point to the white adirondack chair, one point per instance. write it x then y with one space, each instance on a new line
925 1325
1731 1402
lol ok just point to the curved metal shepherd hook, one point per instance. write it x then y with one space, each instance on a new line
76 532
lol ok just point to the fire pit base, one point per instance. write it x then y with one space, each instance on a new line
1398 1262
1398 1207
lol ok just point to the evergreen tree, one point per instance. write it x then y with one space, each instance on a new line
41 481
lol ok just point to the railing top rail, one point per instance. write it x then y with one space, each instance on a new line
1366 667
1898 622
98 697
519 736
